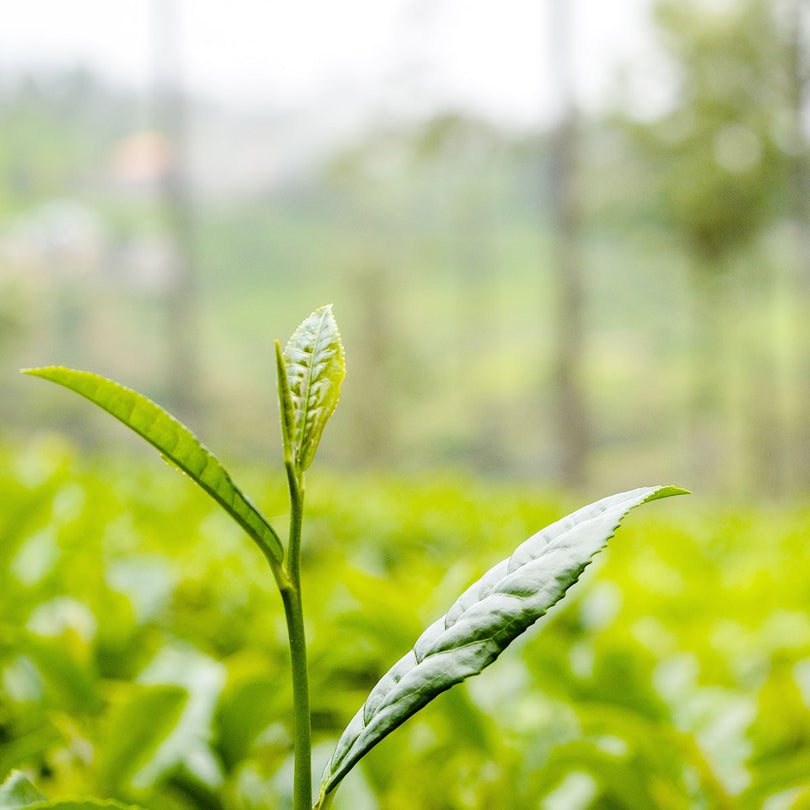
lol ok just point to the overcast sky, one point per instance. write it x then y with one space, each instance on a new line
492 57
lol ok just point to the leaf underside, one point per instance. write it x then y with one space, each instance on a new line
315 366
175 442
483 621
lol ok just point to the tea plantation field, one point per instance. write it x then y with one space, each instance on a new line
143 650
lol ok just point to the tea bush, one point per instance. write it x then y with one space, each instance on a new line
143 653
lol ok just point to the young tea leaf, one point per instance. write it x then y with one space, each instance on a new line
285 405
315 369
176 443
484 620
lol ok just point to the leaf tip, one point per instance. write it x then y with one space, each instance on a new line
46 372
666 492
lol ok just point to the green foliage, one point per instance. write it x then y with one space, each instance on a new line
18 792
656 679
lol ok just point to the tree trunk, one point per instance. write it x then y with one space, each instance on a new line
708 430
571 419
800 187
183 370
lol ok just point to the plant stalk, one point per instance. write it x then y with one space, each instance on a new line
295 481
293 610
302 779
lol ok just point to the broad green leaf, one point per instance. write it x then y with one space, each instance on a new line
315 369
20 751
73 682
484 620
17 791
134 730
790 770
621 781
186 747
175 442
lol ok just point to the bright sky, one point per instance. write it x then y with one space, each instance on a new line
489 56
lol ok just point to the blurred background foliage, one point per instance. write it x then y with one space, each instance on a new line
605 298
143 651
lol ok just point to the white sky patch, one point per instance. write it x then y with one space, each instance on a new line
491 57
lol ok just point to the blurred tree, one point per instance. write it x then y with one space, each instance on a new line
461 156
796 27
375 439
571 420
172 119
437 178
717 169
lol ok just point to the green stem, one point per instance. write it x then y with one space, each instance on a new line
293 609
295 482
302 779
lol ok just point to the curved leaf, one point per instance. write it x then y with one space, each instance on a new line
484 620
315 369
175 442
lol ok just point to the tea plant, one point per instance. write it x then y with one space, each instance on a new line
481 623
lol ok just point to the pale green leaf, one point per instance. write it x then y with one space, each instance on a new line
315 369
484 620
175 442
285 404
17 791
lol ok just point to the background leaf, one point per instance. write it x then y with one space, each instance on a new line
17 791
175 442
82 804
484 620
315 369
135 729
